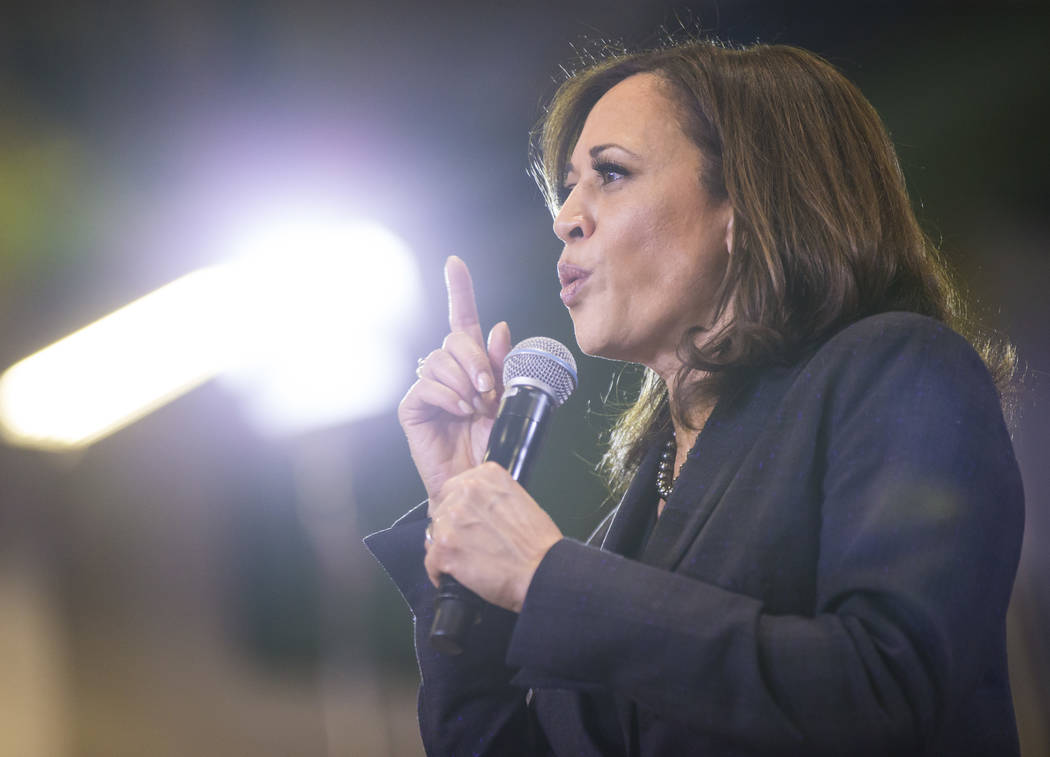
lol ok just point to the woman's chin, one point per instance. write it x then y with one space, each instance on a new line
586 341
593 346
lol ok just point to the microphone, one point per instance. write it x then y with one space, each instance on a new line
539 374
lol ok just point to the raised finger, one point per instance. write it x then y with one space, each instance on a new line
462 307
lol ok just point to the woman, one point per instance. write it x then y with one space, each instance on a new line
825 568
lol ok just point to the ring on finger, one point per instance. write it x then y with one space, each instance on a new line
419 367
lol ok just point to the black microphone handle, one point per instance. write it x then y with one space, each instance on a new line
517 432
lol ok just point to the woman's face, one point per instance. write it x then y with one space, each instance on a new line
645 245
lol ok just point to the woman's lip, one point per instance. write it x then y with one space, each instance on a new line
567 273
571 278
570 292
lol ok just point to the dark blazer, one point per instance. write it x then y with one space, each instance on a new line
829 576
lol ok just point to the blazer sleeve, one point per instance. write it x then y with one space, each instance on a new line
466 703
919 535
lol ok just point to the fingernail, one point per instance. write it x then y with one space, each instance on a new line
484 381
467 409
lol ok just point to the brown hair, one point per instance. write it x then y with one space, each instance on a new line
824 233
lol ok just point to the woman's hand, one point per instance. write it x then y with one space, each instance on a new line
448 413
488 534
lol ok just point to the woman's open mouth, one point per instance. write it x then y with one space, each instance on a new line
571 278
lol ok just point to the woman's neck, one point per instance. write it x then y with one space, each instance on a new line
687 429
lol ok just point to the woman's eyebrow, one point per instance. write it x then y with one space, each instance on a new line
594 151
597 150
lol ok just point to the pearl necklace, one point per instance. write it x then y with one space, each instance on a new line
665 480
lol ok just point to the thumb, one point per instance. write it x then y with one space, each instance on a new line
499 346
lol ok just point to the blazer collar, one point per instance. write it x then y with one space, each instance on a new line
711 465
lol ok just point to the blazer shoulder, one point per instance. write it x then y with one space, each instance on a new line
897 327
895 340
893 361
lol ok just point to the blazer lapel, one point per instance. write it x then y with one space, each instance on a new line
711 466
630 520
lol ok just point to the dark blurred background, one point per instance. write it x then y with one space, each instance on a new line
189 585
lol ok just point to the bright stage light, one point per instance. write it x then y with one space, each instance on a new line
119 368
306 323
330 302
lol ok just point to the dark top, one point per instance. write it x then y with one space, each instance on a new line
829 576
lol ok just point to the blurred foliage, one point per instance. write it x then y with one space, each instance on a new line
43 203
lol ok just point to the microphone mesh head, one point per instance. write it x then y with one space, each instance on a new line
546 363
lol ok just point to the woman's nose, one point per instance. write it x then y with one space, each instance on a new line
573 222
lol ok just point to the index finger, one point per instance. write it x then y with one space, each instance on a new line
462 308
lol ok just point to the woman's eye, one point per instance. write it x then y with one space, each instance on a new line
610 172
607 174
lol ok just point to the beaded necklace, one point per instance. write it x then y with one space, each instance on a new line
665 479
